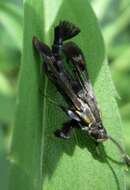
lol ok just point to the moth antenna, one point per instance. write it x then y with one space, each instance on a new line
41 47
123 152
65 30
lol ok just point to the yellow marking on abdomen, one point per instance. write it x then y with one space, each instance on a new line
88 120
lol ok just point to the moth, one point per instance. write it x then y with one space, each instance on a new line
73 82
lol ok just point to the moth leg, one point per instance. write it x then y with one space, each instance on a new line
65 131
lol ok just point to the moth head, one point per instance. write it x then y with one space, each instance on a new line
98 132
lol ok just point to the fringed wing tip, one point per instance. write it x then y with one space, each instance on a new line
68 30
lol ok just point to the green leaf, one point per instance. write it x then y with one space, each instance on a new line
4 167
7 100
120 72
40 160
115 28
11 20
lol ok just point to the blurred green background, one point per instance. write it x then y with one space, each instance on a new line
114 20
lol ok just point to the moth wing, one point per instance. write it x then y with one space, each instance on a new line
41 47
76 58
60 77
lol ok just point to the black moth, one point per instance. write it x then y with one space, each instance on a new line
76 88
